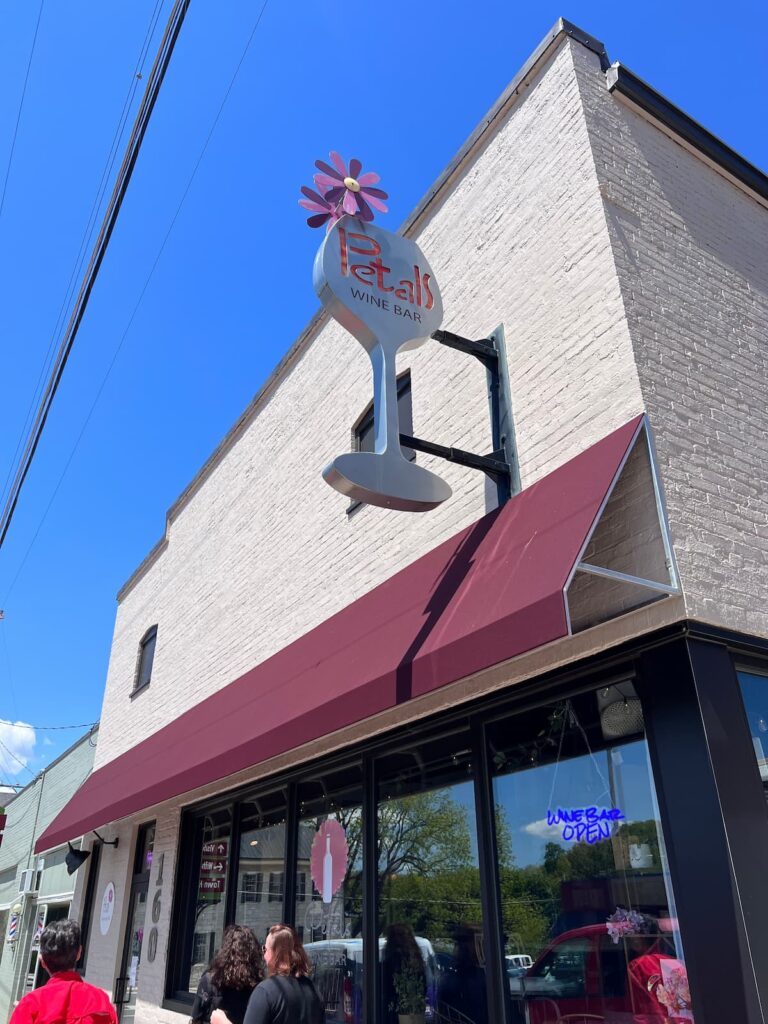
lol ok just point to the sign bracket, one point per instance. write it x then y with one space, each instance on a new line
501 465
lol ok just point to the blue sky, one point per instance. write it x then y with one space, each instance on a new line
218 313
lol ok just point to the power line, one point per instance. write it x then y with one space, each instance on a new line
18 760
87 235
157 74
140 298
48 728
21 107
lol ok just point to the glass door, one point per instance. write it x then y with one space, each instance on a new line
128 982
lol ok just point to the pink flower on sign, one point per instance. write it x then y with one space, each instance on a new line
320 208
328 859
342 190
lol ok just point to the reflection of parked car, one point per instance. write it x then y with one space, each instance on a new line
584 973
518 964
338 977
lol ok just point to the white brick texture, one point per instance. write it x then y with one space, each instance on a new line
691 252
263 550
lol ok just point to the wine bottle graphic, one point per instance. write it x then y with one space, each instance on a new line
327 872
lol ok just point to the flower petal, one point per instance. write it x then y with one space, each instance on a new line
366 213
318 219
315 197
339 164
378 192
355 166
350 202
315 207
326 181
321 165
335 194
369 178
375 203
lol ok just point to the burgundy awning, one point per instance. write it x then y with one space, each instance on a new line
492 592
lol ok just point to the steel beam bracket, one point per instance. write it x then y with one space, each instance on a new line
501 464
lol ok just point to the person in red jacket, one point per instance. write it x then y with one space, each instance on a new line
65 998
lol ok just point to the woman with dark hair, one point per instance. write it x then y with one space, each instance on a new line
287 996
234 973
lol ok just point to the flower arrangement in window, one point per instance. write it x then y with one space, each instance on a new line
625 922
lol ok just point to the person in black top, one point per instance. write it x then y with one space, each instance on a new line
229 981
287 996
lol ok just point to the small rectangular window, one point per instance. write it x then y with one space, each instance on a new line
275 886
252 887
146 659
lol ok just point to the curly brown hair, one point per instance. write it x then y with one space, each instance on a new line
237 963
290 956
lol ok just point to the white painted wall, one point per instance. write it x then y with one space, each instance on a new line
263 550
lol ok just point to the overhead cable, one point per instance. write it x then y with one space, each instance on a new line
140 298
106 175
21 107
156 76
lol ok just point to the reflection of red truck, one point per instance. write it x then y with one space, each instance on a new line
583 977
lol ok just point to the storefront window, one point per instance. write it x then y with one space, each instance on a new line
431 949
329 888
754 691
215 837
590 928
260 890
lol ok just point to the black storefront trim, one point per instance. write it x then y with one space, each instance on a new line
699 812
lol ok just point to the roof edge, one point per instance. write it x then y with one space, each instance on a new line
629 85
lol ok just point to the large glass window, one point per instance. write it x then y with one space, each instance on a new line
754 691
260 890
215 838
329 888
590 928
431 949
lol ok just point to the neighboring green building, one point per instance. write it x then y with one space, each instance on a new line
35 888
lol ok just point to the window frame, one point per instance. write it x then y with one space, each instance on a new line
150 635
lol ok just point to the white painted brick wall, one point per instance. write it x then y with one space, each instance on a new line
263 551
626 273
691 250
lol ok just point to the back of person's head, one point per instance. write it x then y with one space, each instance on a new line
60 946
237 964
288 955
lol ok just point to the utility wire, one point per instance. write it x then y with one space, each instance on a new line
87 235
18 760
141 296
21 107
157 74
48 728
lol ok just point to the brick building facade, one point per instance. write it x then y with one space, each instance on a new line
623 250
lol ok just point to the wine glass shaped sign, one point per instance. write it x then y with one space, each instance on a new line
380 287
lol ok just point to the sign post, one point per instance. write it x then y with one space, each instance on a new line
380 287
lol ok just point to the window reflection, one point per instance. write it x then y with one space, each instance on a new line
589 920
260 890
211 891
329 889
431 947
754 691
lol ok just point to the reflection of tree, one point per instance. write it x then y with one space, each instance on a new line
532 897
427 876
427 833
